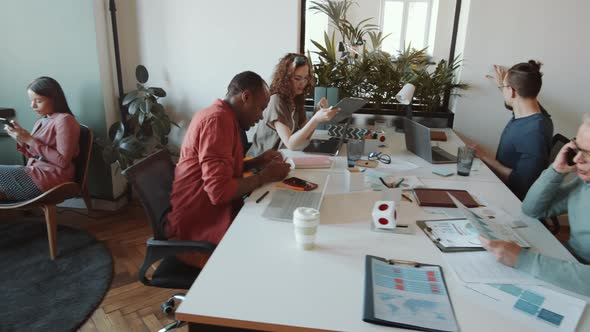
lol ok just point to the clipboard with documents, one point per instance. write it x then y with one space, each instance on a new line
451 235
462 234
408 295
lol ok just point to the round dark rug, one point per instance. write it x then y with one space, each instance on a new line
38 294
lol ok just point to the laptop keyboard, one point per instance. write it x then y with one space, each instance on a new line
439 154
284 202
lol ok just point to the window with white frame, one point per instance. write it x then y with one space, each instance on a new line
408 22
315 25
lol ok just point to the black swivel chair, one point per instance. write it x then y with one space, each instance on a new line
152 180
557 143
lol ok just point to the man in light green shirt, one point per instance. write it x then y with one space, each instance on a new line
550 196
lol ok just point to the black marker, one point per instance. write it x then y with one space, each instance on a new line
261 197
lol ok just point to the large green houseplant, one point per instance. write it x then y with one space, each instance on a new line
145 128
374 74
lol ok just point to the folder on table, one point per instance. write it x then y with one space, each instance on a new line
408 295
440 197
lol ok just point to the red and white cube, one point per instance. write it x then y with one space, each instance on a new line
384 214
381 138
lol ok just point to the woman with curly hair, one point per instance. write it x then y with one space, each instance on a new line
284 121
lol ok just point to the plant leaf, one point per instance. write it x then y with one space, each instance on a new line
116 132
133 106
158 92
141 118
131 147
130 97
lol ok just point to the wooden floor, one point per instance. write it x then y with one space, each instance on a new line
128 304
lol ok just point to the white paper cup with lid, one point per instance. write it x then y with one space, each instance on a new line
305 222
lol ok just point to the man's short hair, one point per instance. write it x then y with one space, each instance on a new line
525 78
247 80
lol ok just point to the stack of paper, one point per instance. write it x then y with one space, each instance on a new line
311 162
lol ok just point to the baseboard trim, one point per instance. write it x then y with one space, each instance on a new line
97 204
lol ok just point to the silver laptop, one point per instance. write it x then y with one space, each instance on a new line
285 201
418 142
327 146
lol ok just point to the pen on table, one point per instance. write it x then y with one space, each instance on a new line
399 183
408 198
261 197
384 183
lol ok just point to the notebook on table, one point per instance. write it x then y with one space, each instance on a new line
311 162
439 136
441 198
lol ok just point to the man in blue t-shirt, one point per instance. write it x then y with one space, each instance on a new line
523 152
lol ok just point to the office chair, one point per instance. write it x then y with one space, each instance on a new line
557 142
49 199
152 180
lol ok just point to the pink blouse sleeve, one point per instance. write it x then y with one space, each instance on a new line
23 150
67 132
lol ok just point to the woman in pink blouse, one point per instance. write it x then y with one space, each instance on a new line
50 148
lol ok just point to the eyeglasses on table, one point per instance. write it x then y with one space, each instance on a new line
382 157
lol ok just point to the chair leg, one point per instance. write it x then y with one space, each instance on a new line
51 222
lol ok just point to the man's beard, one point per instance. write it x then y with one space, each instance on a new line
508 107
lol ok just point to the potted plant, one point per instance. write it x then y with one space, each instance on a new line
326 71
375 75
432 86
145 128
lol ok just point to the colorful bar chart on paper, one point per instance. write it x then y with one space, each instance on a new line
411 295
541 308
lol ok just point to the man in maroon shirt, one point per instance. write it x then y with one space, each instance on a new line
208 183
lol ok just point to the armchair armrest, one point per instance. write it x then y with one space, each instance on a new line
159 249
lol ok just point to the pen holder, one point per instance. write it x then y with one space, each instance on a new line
354 179
384 214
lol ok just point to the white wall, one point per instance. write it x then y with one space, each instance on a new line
507 32
192 49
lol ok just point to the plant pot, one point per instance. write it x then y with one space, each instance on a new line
332 96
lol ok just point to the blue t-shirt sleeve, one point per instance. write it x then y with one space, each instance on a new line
534 157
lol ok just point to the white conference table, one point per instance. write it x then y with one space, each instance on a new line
258 279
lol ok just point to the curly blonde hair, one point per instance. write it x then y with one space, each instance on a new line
282 83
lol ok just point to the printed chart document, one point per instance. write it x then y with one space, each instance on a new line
407 294
482 267
490 229
451 235
539 307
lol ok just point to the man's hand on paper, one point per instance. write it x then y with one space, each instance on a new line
504 251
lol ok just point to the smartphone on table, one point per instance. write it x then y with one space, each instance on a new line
6 122
299 184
